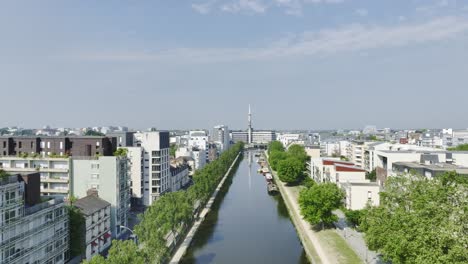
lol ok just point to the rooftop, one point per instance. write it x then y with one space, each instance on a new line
91 204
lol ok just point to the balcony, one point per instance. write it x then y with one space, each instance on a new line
47 190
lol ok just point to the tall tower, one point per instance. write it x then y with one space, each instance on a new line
249 129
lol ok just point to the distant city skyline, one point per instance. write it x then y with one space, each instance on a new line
309 65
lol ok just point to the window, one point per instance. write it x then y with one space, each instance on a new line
95 176
95 166
48 144
20 144
156 153
4 144
61 145
10 215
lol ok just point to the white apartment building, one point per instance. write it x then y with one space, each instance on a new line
220 136
96 213
31 233
156 171
137 183
196 154
179 176
55 172
108 175
361 194
287 138
199 140
336 171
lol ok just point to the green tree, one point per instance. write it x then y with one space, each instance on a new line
275 157
172 150
371 175
354 217
97 259
420 220
121 152
91 132
290 170
275 146
125 252
298 152
3 174
462 147
318 202
77 227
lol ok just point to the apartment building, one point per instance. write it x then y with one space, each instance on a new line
31 231
123 138
96 213
199 140
109 177
336 171
137 180
220 136
179 175
156 171
361 194
57 146
55 173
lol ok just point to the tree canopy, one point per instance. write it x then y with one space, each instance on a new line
298 152
90 132
275 146
420 220
318 202
290 170
462 147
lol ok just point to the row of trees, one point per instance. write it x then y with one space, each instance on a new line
289 164
420 220
169 215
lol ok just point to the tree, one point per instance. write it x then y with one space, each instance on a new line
290 170
318 202
172 150
125 252
371 175
3 174
354 217
462 147
121 152
275 157
90 132
97 259
420 220
77 228
275 146
298 152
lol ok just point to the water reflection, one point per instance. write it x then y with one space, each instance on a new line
246 225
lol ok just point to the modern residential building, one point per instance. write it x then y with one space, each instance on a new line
137 179
361 194
57 146
287 138
336 171
108 176
55 172
199 140
156 171
259 137
123 138
427 169
96 213
220 136
31 231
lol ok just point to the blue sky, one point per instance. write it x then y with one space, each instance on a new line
305 64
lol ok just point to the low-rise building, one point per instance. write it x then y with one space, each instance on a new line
96 213
361 194
179 175
31 231
428 170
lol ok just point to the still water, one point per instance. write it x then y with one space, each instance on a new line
246 224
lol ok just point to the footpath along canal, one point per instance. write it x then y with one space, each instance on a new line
246 224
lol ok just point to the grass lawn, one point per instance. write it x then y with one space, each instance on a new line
339 246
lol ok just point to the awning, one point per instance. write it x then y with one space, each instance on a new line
94 243
107 235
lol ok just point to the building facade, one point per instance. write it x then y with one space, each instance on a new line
96 213
156 171
220 136
109 176
32 231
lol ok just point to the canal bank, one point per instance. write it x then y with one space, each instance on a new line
324 246
246 225
182 249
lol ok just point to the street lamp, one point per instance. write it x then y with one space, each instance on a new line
131 231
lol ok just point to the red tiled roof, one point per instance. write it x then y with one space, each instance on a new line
341 167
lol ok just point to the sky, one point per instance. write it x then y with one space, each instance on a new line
301 64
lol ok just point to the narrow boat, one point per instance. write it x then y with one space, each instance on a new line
272 188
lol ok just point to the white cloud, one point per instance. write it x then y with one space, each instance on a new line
352 38
204 8
255 6
361 12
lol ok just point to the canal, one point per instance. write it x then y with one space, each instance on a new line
246 224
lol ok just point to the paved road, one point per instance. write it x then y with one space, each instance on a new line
355 239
